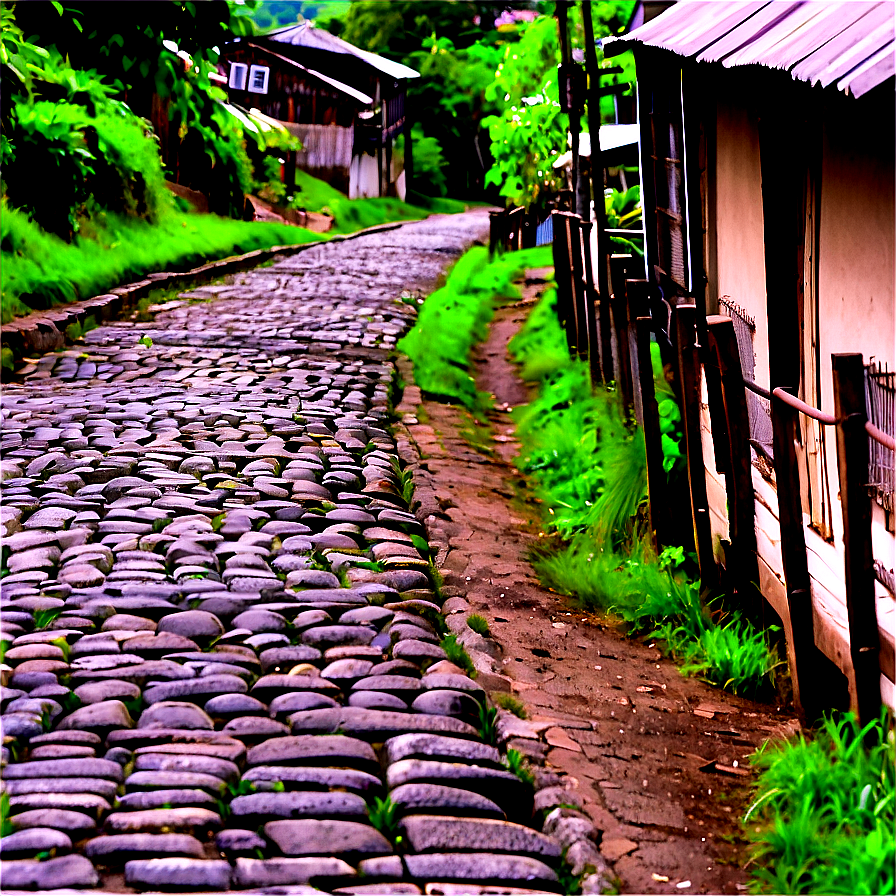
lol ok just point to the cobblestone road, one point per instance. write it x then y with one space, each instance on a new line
222 631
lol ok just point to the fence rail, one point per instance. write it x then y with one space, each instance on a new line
614 332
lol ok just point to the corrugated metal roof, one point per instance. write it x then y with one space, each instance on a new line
306 35
851 43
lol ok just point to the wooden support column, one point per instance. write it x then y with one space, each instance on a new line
731 443
563 252
804 655
589 301
861 603
685 327
658 498
620 269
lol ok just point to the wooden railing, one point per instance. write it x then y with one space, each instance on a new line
613 334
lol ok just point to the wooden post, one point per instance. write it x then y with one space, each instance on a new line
852 465
562 248
685 327
731 443
494 233
618 318
636 292
804 659
588 345
658 506
515 220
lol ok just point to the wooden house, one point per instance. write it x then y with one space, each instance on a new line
345 104
767 162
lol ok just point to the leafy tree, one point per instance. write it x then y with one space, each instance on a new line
139 52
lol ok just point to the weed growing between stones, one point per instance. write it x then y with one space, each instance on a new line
588 469
383 815
479 624
457 654
511 704
516 764
825 810
6 825
44 618
488 724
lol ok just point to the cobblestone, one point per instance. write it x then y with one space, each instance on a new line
218 625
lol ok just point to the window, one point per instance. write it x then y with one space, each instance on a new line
666 129
880 400
258 79
238 72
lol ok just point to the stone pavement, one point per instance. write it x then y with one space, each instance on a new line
222 628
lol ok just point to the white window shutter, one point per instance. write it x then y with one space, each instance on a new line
238 73
258 79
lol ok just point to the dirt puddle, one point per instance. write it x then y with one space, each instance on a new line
657 761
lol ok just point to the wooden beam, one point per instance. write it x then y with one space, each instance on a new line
804 653
852 465
620 271
731 442
684 321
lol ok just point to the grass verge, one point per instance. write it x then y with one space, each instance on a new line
40 270
823 816
588 470
454 318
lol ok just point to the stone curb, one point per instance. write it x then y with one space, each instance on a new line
45 331
556 795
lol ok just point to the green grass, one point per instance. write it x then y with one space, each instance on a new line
511 704
479 624
517 765
823 817
455 318
40 270
349 215
455 653
588 469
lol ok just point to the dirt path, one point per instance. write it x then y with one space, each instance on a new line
655 760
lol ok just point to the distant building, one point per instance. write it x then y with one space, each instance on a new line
345 104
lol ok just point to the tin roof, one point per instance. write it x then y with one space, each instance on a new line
849 43
306 35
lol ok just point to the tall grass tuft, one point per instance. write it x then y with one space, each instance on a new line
824 811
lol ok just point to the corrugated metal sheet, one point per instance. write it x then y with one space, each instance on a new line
306 35
820 41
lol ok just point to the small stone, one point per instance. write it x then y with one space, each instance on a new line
175 714
291 873
178 874
99 718
327 838
185 819
254 808
28 843
116 849
197 625
64 872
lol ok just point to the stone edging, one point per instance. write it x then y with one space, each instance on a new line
556 795
44 331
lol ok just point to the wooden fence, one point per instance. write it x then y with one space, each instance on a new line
613 334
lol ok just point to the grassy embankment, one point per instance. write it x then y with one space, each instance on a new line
39 270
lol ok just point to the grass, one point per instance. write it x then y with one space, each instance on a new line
350 215
588 469
455 653
517 765
383 815
479 624
40 270
488 724
454 318
511 704
823 817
